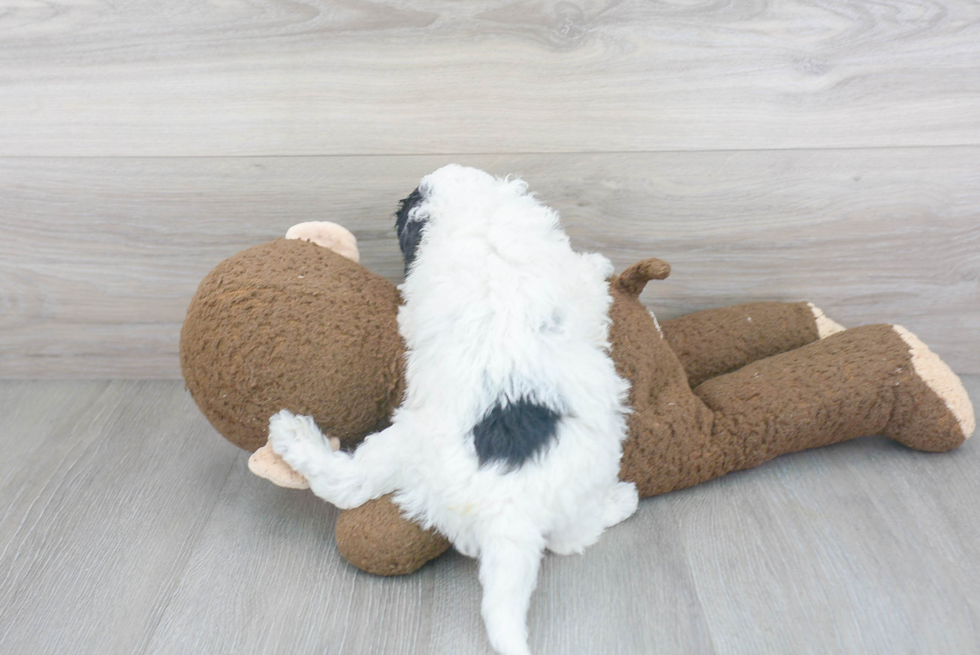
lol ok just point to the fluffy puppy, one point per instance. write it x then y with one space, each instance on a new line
509 437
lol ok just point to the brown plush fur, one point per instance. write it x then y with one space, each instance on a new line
374 536
289 324
717 341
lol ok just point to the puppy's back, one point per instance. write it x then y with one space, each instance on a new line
502 319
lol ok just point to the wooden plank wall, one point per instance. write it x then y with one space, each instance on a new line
792 150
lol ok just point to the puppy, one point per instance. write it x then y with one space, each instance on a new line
509 436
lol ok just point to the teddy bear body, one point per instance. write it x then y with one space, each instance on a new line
710 393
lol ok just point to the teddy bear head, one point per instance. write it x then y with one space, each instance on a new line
291 319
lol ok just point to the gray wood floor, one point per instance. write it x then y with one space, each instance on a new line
768 150
127 525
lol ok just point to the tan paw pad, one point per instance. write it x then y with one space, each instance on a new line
940 378
825 326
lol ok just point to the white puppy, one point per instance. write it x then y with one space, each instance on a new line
509 436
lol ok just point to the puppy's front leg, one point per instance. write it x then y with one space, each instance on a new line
340 478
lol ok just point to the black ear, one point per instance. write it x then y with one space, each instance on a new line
409 232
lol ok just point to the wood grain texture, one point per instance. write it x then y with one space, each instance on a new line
129 526
99 258
284 77
101 513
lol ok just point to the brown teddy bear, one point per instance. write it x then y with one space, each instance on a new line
297 323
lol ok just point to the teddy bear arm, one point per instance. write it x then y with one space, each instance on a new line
718 341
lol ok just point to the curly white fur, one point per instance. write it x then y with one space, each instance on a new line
498 307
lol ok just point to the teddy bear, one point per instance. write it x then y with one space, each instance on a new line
298 323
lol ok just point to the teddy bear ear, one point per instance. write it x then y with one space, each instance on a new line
329 235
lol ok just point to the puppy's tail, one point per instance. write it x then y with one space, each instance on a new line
508 573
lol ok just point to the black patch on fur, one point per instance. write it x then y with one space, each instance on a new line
515 433
409 232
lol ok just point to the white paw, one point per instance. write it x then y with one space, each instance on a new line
568 546
298 440
581 533
622 502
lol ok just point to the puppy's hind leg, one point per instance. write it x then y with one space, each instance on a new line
581 530
594 516
509 573
340 478
621 501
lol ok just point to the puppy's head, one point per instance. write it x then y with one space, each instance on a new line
408 224
452 192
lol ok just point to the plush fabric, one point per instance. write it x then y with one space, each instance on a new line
290 324
718 341
372 537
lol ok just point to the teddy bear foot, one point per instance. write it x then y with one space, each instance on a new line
825 326
934 413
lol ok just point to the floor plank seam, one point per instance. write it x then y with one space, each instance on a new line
175 584
529 153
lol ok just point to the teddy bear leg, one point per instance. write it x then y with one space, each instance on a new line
875 379
717 341
376 538
910 424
